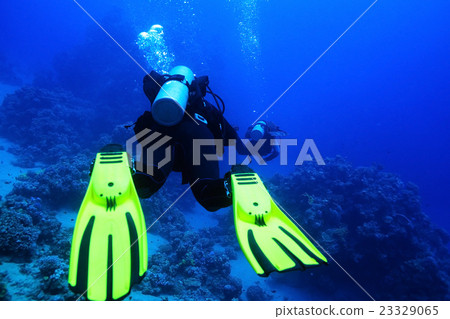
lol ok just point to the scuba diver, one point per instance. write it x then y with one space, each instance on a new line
266 131
201 121
109 246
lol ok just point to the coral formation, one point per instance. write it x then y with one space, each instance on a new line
188 267
372 223
60 185
25 224
47 124
255 293
52 274
18 234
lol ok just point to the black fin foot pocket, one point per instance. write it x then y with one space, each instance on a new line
111 148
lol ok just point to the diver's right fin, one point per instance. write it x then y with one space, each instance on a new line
268 238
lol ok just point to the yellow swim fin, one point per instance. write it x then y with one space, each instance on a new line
109 245
268 238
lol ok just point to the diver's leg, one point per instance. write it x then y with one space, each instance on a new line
211 193
209 189
149 178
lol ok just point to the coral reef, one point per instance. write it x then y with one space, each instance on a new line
53 275
18 234
161 201
60 185
25 224
372 223
188 267
47 124
255 293
30 233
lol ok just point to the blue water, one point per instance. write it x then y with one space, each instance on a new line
379 95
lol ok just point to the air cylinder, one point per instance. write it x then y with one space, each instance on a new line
170 103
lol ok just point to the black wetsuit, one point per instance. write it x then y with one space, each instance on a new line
208 188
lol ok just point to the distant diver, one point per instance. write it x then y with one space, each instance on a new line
268 238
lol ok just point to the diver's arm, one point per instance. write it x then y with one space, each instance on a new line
152 84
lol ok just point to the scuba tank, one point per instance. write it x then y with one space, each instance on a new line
258 131
170 103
